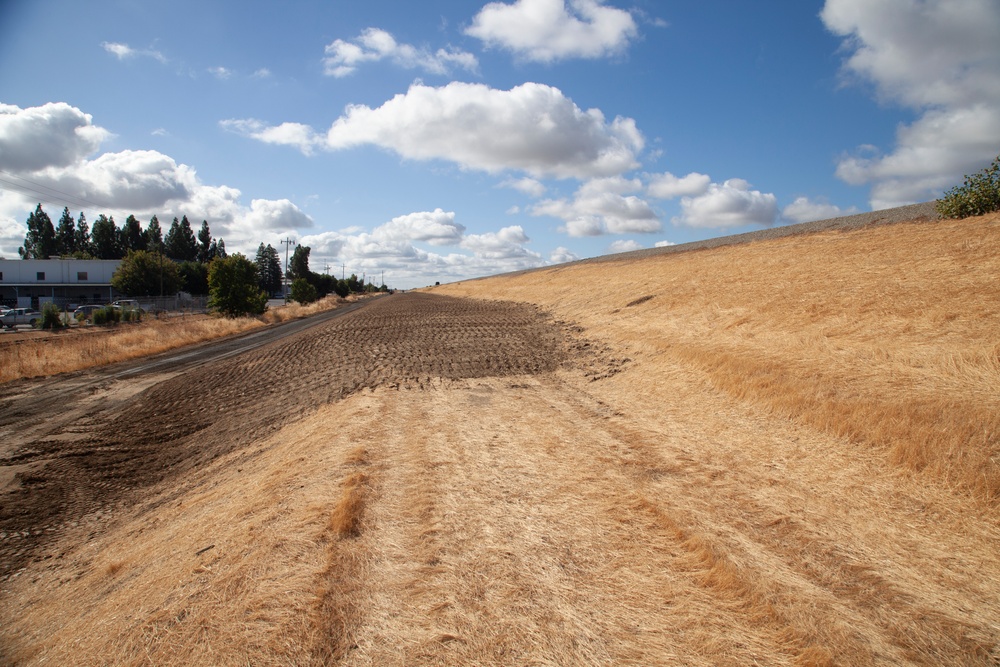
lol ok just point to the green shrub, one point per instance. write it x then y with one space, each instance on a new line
51 316
303 291
130 314
978 195
107 315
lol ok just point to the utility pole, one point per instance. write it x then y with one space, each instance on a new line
284 282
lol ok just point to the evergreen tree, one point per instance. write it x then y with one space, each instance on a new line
181 243
171 241
106 238
298 266
83 243
205 243
132 236
221 250
153 234
40 241
268 269
66 234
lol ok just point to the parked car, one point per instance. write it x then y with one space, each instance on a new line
16 316
128 304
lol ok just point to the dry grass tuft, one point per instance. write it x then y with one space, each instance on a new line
345 520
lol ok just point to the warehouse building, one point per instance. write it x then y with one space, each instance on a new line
29 283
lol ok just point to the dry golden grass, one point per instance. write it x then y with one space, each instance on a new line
227 573
784 473
295 310
74 351
884 335
79 349
345 521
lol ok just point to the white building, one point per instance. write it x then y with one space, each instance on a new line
67 282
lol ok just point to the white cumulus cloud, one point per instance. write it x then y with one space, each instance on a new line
623 245
51 135
940 58
668 186
435 227
390 248
602 206
46 153
296 135
532 127
344 57
562 255
551 30
528 186
731 204
804 209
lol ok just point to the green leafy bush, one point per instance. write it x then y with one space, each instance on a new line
130 314
51 316
978 195
232 286
303 291
107 315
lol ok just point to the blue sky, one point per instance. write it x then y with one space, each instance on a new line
442 140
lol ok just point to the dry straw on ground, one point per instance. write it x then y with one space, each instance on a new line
780 453
884 335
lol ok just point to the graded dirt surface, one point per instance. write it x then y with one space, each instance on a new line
779 453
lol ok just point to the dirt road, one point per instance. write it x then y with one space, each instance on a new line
433 480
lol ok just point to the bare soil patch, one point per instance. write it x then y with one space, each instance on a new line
132 435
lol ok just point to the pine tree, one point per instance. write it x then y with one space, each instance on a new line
298 266
268 269
106 238
83 243
132 236
66 234
40 241
172 242
181 243
205 243
153 234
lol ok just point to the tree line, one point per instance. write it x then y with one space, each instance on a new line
105 240
152 265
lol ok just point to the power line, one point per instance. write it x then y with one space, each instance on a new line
59 198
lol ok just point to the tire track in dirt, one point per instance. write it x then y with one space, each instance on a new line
748 548
494 541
